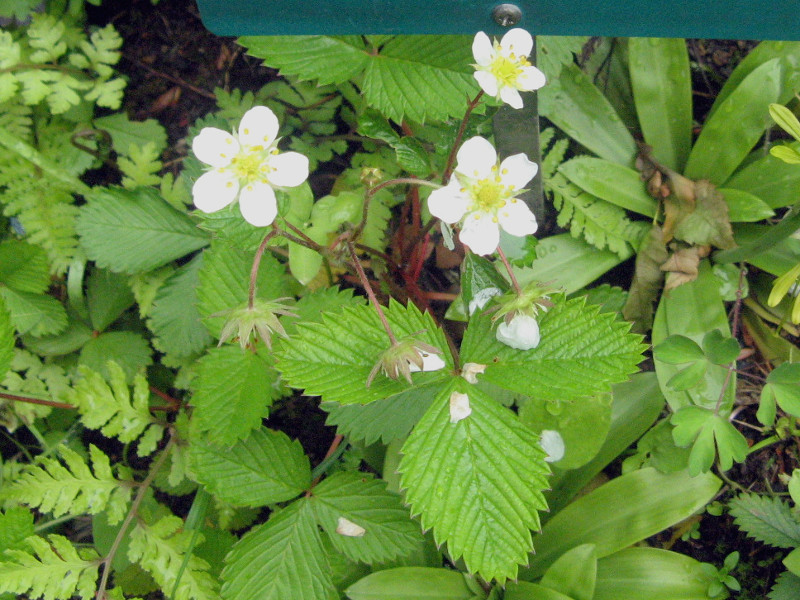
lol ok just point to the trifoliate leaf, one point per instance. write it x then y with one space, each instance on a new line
265 468
334 358
357 498
781 388
766 519
129 350
280 559
112 408
582 353
36 314
232 393
477 482
224 283
50 568
174 318
23 267
133 231
702 428
108 296
70 488
15 526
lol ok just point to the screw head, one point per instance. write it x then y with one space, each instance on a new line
506 15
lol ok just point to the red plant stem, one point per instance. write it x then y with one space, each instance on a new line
513 277
251 297
16 398
174 403
448 170
368 288
334 445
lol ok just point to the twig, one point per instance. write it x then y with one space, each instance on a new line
16 398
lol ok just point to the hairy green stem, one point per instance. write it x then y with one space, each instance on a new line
251 296
368 288
513 277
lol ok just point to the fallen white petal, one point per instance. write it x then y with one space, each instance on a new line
215 147
459 407
482 50
258 205
290 169
516 218
476 157
481 298
470 371
214 190
258 127
552 443
517 41
430 362
448 203
348 528
521 333
480 233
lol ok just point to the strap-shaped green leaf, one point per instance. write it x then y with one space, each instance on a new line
134 231
265 468
334 358
767 519
388 531
280 559
477 482
232 393
582 353
412 583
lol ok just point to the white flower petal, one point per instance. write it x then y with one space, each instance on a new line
480 233
290 169
448 203
487 81
530 79
511 97
470 371
521 333
516 218
481 297
258 205
517 171
430 362
517 41
215 147
476 157
459 407
482 50
347 528
258 127
552 443
214 190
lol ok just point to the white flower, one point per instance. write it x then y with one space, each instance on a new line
348 528
459 407
552 443
522 332
482 193
502 69
246 166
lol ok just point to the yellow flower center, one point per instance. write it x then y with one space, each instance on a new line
489 195
507 69
251 164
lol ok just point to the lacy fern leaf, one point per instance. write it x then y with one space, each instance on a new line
70 488
53 569
111 409
161 550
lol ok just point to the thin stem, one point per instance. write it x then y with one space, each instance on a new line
374 190
174 403
333 453
734 330
123 530
513 277
448 170
52 523
368 288
251 296
29 400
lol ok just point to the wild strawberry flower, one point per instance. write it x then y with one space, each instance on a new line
503 69
483 194
246 166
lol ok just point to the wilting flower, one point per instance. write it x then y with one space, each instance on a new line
483 194
503 69
260 319
459 407
522 332
407 356
247 166
553 444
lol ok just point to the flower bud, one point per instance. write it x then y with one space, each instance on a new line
522 332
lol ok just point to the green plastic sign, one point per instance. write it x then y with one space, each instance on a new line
722 19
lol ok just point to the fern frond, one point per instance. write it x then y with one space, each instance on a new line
70 488
599 222
141 166
554 156
53 570
16 119
112 410
161 548
29 376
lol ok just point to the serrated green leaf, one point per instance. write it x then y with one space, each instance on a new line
224 281
134 231
477 482
174 318
582 353
411 583
480 281
108 296
23 267
35 314
389 532
787 587
280 559
412 156
311 306
264 468
125 133
7 340
129 350
16 524
766 519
